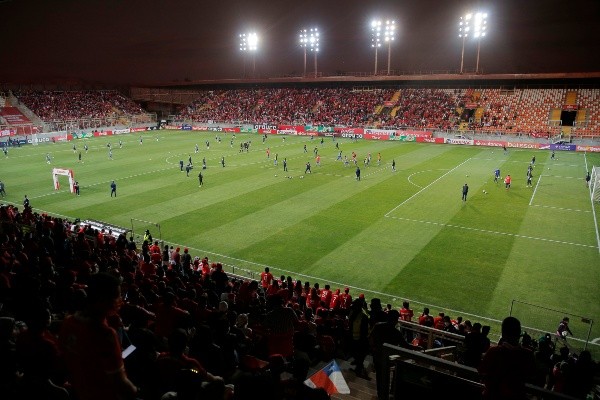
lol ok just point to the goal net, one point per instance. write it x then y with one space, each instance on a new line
57 172
595 184
594 187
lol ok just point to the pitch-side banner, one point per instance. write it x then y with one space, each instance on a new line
523 145
291 128
378 134
592 149
436 140
349 131
489 143
468 142
560 147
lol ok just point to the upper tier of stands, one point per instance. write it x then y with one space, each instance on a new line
491 110
76 109
525 111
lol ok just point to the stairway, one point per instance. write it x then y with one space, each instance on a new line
360 389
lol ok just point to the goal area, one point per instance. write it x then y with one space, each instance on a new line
538 320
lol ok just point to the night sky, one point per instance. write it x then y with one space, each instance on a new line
162 41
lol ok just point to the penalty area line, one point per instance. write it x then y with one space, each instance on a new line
494 232
423 189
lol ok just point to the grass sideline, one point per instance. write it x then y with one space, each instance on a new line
393 235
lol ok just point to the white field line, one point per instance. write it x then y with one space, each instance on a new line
423 189
560 208
535 190
494 232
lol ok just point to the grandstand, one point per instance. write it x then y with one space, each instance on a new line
527 114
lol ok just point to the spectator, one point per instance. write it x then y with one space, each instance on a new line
91 348
506 368
386 332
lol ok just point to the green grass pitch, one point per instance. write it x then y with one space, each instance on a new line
394 235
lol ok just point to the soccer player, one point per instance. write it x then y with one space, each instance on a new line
78 157
120 144
113 189
496 175
141 140
187 169
285 164
203 162
307 170
74 148
110 154
76 187
378 159
200 179
181 165
318 160
190 160
275 160
507 181
223 161
394 165
196 149
306 151
552 156
529 178
358 173
85 147
49 158
2 190
532 161
465 190
25 202
5 150
587 179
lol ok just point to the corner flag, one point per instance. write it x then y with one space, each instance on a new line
329 378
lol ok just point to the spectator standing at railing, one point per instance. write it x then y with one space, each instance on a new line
506 368
386 332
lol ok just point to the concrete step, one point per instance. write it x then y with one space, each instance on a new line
360 388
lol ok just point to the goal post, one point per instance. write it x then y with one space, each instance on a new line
595 184
538 320
56 172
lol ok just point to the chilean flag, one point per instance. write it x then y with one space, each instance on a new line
329 378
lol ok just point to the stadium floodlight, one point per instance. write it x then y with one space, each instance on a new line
376 37
479 31
472 25
389 34
464 30
309 40
249 44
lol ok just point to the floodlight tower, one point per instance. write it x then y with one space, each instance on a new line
309 40
376 38
389 35
479 31
249 43
464 30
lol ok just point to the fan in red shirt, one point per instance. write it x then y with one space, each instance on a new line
266 278
326 295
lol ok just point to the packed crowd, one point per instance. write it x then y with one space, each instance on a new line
90 314
491 109
73 105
